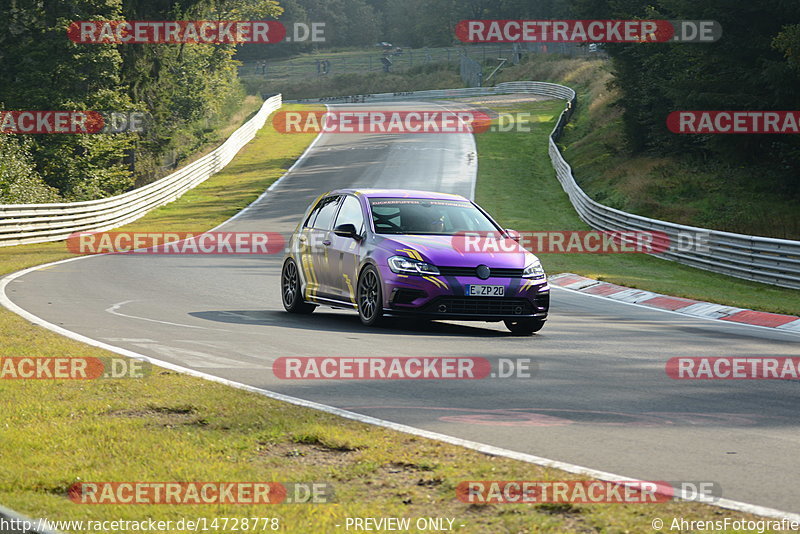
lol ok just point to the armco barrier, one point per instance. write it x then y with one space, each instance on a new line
762 259
538 88
37 223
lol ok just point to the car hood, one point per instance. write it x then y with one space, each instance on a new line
450 251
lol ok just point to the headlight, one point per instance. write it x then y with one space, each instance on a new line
534 270
404 265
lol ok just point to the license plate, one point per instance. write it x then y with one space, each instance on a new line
485 291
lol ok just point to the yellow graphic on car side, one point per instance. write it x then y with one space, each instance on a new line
411 253
308 270
525 285
352 294
436 281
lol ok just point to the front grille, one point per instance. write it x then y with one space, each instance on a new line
479 306
497 272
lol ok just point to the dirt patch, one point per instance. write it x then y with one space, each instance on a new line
169 416
317 455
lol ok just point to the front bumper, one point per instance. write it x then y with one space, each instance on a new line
445 298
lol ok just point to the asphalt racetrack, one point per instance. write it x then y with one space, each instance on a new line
600 397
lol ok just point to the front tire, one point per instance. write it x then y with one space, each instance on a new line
290 290
524 327
370 297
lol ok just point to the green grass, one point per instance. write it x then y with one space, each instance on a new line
172 427
517 184
683 189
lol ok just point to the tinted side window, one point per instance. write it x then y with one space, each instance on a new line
313 215
351 214
327 209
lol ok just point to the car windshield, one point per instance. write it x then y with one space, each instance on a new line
427 216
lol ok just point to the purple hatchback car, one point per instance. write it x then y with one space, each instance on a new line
396 252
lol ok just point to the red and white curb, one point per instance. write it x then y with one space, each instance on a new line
696 308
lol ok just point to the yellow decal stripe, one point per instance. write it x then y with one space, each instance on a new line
350 288
436 281
311 276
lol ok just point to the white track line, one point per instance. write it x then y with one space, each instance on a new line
473 445
114 310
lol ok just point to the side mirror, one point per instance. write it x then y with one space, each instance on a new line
347 230
512 234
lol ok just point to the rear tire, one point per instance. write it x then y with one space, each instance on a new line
370 297
524 327
290 290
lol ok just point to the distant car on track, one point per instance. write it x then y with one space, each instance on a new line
396 252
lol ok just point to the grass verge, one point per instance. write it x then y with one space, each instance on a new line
517 184
675 187
172 427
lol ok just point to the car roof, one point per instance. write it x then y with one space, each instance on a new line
399 193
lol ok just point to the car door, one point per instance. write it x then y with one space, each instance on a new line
304 250
323 266
345 251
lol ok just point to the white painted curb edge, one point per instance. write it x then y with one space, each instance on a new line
486 449
473 445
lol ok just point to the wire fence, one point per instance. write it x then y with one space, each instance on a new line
401 60
471 72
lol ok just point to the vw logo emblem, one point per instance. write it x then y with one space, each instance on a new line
483 272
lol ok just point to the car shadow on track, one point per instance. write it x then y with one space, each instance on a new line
341 322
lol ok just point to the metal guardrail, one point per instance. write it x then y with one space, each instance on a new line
538 88
38 223
761 259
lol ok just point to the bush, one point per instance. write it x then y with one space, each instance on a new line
19 181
